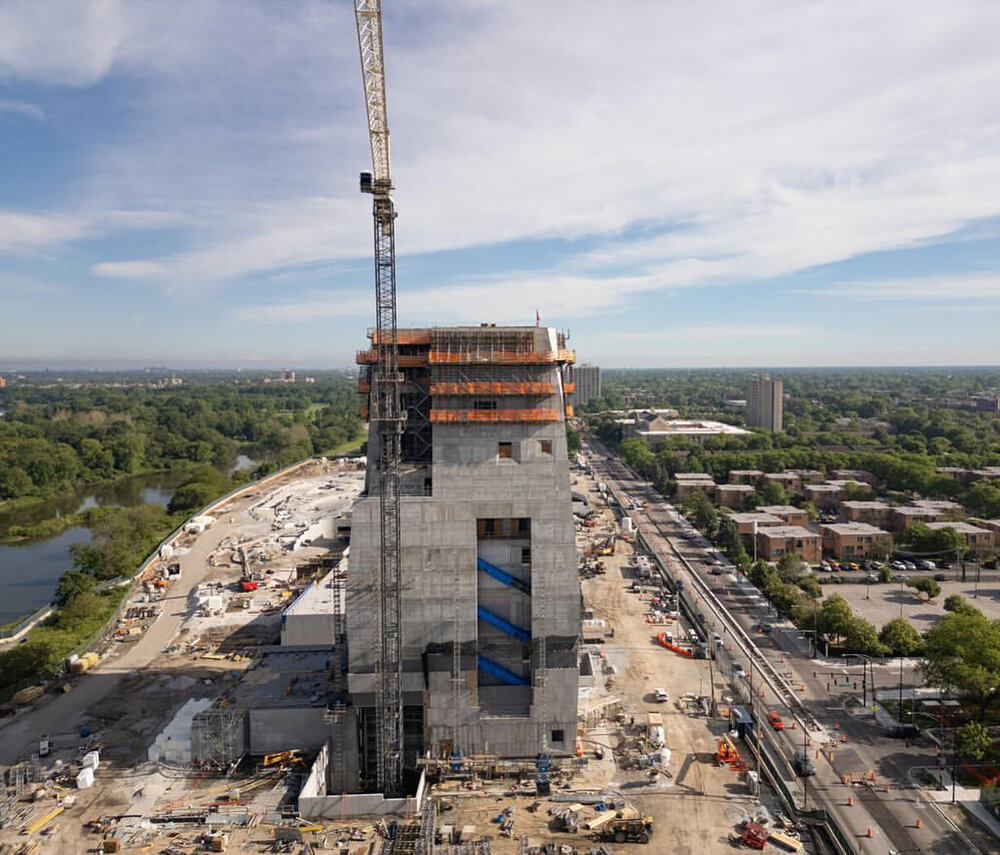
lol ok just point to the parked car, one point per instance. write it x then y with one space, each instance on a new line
775 721
900 577
871 577
988 565
846 567
940 577
825 567
927 565
661 696
766 628
851 565
738 670
903 731
717 639
909 565
897 565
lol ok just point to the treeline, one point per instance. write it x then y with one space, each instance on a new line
53 438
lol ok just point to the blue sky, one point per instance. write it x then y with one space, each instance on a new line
687 184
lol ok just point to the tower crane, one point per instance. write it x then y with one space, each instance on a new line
386 415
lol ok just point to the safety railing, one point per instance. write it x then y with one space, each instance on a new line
537 415
482 387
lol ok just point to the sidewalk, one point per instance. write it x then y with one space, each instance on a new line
968 798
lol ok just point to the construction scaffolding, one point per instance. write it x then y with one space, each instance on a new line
219 738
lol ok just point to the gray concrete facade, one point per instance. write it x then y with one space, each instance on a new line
499 498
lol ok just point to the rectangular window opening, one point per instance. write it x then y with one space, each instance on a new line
546 446
505 450
558 736
526 555
484 405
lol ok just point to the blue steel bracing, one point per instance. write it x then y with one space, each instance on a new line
503 625
491 667
502 576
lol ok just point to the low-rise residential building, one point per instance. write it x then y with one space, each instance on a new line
859 475
746 476
789 514
992 525
687 487
789 480
873 513
901 518
953 509
855 540
808 476
975 538
824 496
775 541
692 476
747 523
733 495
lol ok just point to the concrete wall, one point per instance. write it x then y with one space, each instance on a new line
315 803
286 728
442 586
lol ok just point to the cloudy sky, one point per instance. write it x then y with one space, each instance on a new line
674 183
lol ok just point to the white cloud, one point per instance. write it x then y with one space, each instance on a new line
129 269
693 148
59 42
22 108
20 230
985 286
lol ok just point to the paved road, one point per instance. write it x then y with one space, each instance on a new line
891 815
66 712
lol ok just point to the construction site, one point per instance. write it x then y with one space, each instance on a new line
448 647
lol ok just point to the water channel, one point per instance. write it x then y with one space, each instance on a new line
30 570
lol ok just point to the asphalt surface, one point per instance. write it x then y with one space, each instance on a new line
822 686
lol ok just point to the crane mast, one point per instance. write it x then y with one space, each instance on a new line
386 408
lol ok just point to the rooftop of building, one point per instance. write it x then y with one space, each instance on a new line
869 505
825 488
960 527
737 488
785 531
778 510
699 427
747 472
692 476
852 528
757 517
910 511
938 504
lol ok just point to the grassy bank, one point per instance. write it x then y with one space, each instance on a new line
77 623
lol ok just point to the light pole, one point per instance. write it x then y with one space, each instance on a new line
866 665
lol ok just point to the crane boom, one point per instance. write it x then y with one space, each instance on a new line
386 410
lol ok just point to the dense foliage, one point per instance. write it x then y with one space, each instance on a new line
900 425
53 437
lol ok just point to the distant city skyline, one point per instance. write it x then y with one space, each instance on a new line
801 185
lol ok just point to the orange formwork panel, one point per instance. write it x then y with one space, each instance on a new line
404 360
536 415
569 411
481 387
405 336
569 388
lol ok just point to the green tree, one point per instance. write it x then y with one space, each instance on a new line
773 494
791 567
573 442
835 616
973 740
862 637
959 605
963 653
900 638
72 583
927 586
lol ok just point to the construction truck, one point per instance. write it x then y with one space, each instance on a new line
620 830
281 759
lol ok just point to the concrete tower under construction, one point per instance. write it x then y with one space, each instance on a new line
490 593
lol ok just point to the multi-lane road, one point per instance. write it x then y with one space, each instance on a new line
782 677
